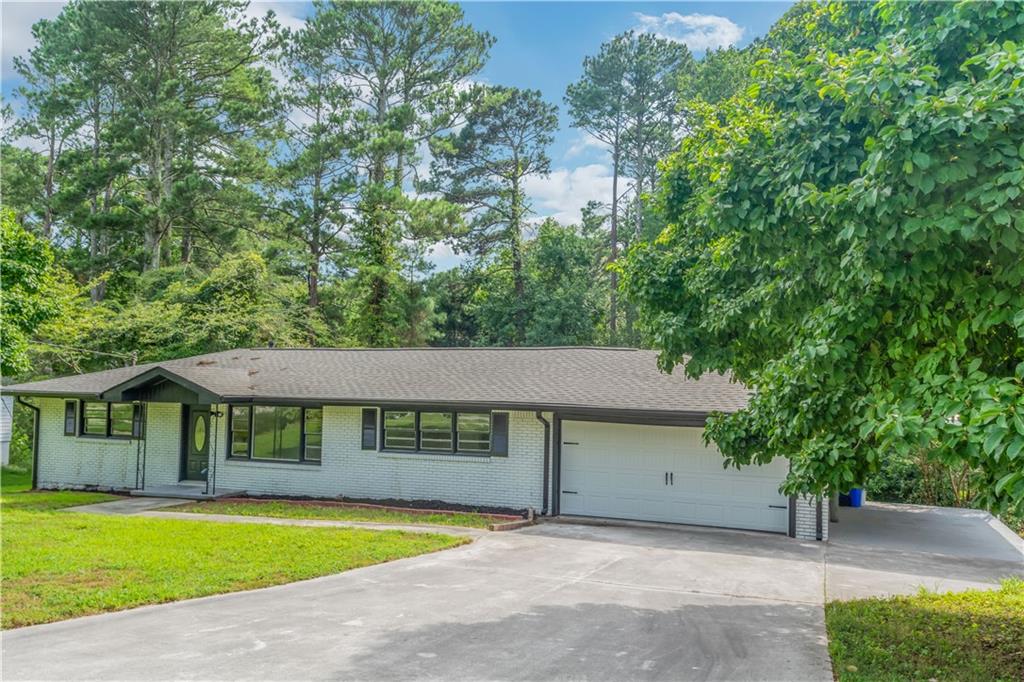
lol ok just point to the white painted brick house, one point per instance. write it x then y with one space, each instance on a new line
572 431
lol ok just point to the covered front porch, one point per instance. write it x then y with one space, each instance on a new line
177 456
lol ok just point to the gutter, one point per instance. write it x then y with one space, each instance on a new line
35 440
547 458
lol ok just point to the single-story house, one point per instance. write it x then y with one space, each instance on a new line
576 431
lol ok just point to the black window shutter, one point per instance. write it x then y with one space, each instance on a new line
70 417
138 421
369 428
499 434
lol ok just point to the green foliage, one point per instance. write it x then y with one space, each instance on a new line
35 290
846 237
239 303
628 99
484 167
407 59
972 635
562 302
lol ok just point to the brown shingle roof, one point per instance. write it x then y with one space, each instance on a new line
567 377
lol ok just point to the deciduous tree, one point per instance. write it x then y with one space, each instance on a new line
847 238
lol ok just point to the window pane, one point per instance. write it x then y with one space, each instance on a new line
436 431
239 431
289 432
121 419
264 432
276 432
314 420
314 427
474 432
70 408
95 421
400 430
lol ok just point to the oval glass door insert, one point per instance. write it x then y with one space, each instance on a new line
199 434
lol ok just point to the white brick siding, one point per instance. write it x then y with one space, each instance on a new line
346 470
83 462
806 523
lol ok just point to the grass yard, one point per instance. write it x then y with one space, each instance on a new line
59 565
975 635
292 510
13 480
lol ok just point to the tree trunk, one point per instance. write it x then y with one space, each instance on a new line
186 246
99 290
314 277
613 303
518 284
48 187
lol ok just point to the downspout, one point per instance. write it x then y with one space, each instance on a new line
817 521
547 458
35 440
556 468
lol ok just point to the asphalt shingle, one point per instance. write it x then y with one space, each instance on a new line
565 377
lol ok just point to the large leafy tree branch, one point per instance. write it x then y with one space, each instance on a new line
846 238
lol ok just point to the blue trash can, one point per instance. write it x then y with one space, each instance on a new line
856 497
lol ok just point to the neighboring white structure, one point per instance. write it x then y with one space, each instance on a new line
6 419
573 431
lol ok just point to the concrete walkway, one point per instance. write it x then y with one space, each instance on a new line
162 508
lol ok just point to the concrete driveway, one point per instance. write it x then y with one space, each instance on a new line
550 602
883 549
555 601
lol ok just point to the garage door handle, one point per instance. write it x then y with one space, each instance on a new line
777 506
569 442
671 478
666 478
569 492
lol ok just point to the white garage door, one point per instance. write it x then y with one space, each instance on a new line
665 473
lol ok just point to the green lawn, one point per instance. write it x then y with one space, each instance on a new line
291 510
12 480
967 636
58 565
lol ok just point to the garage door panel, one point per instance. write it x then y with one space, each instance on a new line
618 471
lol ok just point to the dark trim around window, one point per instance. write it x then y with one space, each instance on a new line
369 428
70 417
305 448
136 431
497 434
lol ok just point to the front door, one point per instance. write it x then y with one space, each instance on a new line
196 448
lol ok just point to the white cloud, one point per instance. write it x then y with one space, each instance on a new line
563 194
699 32
582 143
17 19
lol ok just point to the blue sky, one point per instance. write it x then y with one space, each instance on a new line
539 45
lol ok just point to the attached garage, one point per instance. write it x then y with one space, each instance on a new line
667 474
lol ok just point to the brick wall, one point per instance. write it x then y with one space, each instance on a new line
81 462
347 470
806 521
